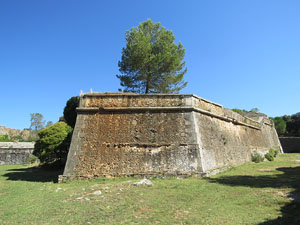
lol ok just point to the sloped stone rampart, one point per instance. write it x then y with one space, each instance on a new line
15 152
119 134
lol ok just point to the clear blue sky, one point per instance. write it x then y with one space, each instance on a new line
241 54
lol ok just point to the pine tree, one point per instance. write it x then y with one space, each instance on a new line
151 62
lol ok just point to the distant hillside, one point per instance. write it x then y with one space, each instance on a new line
10 134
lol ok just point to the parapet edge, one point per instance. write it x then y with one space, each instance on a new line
104 94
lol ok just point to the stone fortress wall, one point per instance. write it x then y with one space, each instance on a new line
15 152
125 134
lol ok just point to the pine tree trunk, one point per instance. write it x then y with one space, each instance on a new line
147 84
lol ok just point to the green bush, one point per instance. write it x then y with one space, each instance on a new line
18 138
53 143
4 138
257 157
272 152
269 156
32 159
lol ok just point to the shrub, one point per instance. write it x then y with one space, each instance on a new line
272 153
269 156
52 145
4 138
18 138
32 159
257 157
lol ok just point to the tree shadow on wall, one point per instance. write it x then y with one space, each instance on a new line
289 179
33 174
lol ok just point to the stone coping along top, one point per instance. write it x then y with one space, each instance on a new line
96 102
16 145
150 96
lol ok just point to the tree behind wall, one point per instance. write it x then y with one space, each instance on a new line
151 62
280 125
292 124
36 122
70 113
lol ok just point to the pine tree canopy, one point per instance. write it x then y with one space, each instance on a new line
151 62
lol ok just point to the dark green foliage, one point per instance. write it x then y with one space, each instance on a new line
64 148
4 138
292 124
269 156
51 146
288 125
18 137
257 157
272 154
151 62
274 151
280 125
70 111
62 119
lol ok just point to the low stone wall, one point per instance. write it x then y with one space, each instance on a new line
290 144
15 152
122 134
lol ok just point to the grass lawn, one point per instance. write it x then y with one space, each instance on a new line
263 193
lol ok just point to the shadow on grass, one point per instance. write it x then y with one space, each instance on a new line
33 174
289 179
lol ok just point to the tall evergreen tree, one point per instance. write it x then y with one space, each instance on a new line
151 62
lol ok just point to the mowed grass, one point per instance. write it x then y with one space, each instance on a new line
264 193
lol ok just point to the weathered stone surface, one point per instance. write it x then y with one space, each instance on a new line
119 134
15 152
